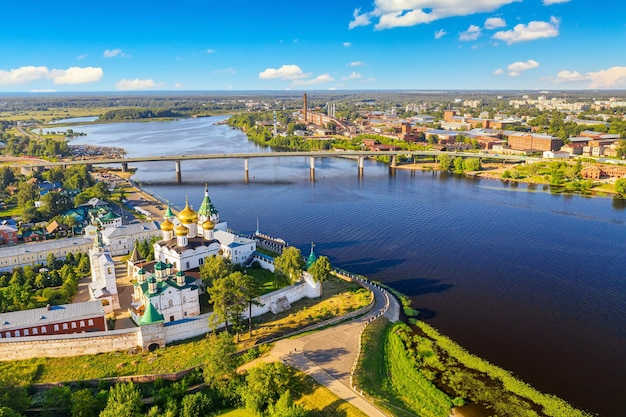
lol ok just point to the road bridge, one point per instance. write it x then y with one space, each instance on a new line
359 156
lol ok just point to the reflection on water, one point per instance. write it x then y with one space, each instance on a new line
531 281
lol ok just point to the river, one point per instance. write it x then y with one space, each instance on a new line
532 281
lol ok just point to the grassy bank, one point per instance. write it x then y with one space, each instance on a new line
425 373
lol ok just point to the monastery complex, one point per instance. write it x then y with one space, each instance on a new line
165 304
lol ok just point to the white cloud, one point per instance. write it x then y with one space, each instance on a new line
494 23
231 71
136 84
72 75
23 75
359 19
347 44
76 75
83 56
516 68
320 79
471 34
440 33
357 64
614 77
178 85
352 76
498 71
534 30
551 2
112 53
286 72
210 51
403 13
48 90
609 78
566 76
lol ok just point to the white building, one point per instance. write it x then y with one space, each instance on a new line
191 237
121 239
37 253
163 295
162 289
103 286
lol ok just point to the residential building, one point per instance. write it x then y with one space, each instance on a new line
37 253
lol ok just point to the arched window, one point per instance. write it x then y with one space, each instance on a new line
171 303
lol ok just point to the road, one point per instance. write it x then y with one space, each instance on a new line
329 355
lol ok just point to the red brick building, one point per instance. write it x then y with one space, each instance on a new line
51 320
525 141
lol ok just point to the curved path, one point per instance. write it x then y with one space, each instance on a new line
329 355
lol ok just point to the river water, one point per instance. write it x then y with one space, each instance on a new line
532 281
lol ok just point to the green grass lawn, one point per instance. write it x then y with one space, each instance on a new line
236 413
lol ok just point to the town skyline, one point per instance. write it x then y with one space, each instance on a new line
354 45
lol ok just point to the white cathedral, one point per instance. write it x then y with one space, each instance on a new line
162 290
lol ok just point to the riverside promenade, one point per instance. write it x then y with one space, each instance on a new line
329 355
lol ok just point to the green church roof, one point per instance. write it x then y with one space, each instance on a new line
110 216
160 266
150 316
312 258
168 212
207 208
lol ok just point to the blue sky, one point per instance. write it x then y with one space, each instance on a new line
322 45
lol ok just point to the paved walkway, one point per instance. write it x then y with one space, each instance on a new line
329 355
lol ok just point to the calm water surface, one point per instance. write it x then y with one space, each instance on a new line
531 281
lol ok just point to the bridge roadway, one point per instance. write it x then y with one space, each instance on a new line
313 154
357 155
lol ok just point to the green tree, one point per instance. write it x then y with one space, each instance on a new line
265 384
196 405
83 266
214 268
83 403
220 366
458 164
621 147
27 193
290 263
9 412
472 164
124 400
7 177
285 407
229 298
13 394
55 203
56 402
445 162
51 261
620 187
29 212
321 269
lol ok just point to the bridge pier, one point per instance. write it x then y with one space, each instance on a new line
179 178
392 165
312 169
124 166
361 164
246 170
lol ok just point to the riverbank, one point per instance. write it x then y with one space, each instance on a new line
495 171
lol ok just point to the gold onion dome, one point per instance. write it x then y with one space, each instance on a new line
187 216
181 230
167 226
208 225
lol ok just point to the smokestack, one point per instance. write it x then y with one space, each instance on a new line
306 117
